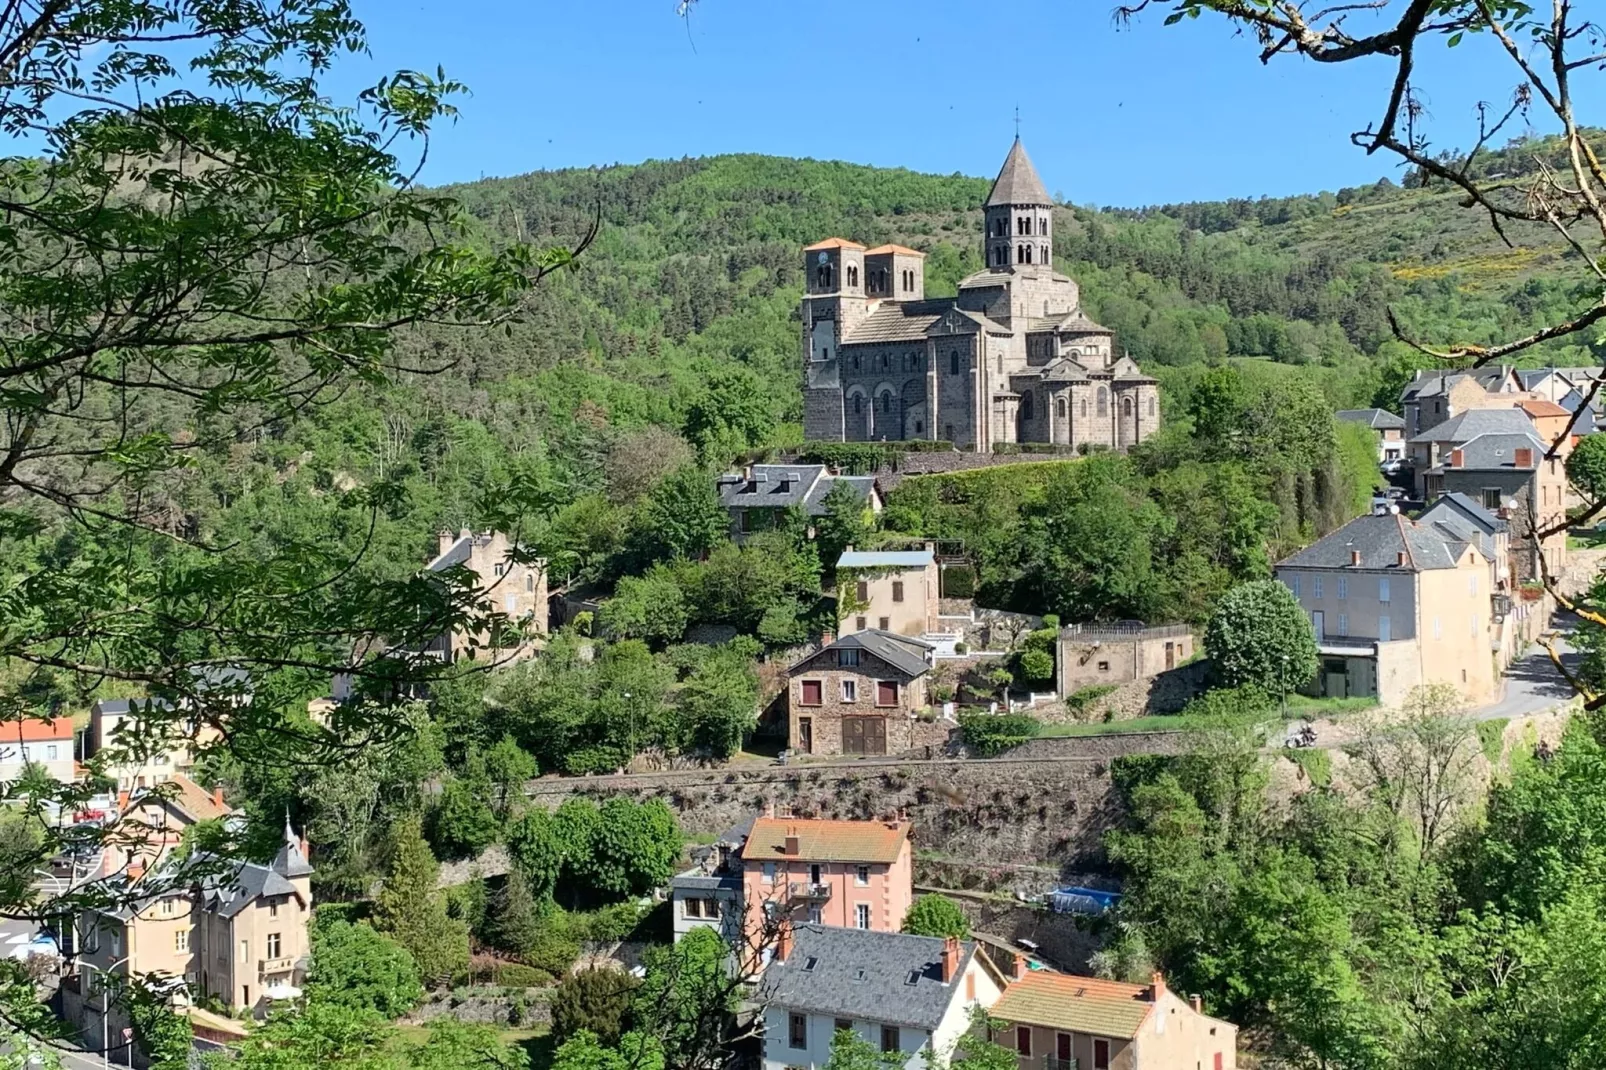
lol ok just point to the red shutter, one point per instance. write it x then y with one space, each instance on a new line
886 692
812 692
1023 1039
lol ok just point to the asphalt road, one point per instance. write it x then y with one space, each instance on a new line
1533 683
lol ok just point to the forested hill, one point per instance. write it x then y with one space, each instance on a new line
697 267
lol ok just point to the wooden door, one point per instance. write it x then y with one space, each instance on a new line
864 735
1171 655
805 735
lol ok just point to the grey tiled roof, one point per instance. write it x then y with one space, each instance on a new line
809 489
1491 452
1474 422
230 895
985 278
899 321
1462 505
1017 181
863 974
1378 419
1380 540
903 653
1064 369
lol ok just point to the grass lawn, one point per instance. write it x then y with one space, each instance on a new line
1298 706
1588 540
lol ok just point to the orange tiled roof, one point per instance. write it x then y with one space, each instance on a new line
1075 1004
904 249
195 800
832 243
827 841
1540 407
34 730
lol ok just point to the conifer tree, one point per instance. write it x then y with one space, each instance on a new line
515 917
413 910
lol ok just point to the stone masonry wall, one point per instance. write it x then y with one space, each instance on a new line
1034 805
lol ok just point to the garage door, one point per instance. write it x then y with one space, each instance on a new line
864 735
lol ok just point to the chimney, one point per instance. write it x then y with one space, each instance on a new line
848 549
1525 458
793 846
950 959
1399 558
445 538
1020 969
217 796
747 472
769 808
1197 1004
1158 981
1355 558
783 941
1455 459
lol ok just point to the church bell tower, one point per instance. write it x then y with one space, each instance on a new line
1019 216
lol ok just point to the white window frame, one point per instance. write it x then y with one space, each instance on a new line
1343 588
1383 589
850 690
861 915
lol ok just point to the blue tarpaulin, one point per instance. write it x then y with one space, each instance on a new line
1078 900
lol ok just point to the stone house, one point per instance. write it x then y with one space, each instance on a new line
860 695
893 591
33 742
759 495
1056 1021
1436 396
709 894
1095 655
121 732
1389 427
1396 603
850 874
1012 358
508 586
911 997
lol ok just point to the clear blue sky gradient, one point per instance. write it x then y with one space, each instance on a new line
1144 115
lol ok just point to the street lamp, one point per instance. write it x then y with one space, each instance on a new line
105 1009
631 741
1283 680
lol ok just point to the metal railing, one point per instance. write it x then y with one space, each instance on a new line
808 890
1130 630
1054 1062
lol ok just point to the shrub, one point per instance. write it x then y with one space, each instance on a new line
1037 665
990 734
598 759
936 915
1492 738
360 969
1260 635
1082 699
518 975
961 647
554 947
597 1000
1317 765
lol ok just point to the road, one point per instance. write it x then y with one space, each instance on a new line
1533 683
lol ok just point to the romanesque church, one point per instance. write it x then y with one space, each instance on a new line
1012 358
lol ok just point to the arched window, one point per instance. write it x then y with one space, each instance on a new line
1084 407
1151 404
1104 402
998 361
853 275
886 402
886 361
858 404
1045 258
1045 308
1023 225
953 363
529 582
1126 408
822 276
1026 254
855 362
1059 408
1042 225
1026 407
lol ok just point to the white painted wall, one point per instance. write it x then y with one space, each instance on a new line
54 755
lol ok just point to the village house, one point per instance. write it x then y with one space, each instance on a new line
709 894
863 694
888 590
514 588
1097 655
910 997
852 874
152 822
1396 603
1551 422
141 744
759 496
1056 1021
1436 396
1390 432
32 742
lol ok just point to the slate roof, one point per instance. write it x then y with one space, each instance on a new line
899 321
1494 452
814 482
1075 1004
228 895
822 840
865 975
1474 422
1463 505
904 653
1017 181
1380 540
455 554
1429 383
1377 419
985 278
885 559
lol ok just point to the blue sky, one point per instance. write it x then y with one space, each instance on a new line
1144 115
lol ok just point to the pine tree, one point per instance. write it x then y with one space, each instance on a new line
515 917
413 910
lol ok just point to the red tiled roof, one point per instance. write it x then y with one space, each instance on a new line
34 730
194 800
1075 1004
1540 407
826 841
832 243
903 249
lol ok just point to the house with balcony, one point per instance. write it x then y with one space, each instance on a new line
1056 1021
863 694
760 495
911 997
850 874
1396 603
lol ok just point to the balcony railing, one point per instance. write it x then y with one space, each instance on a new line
810 891
282 964
1054 1062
